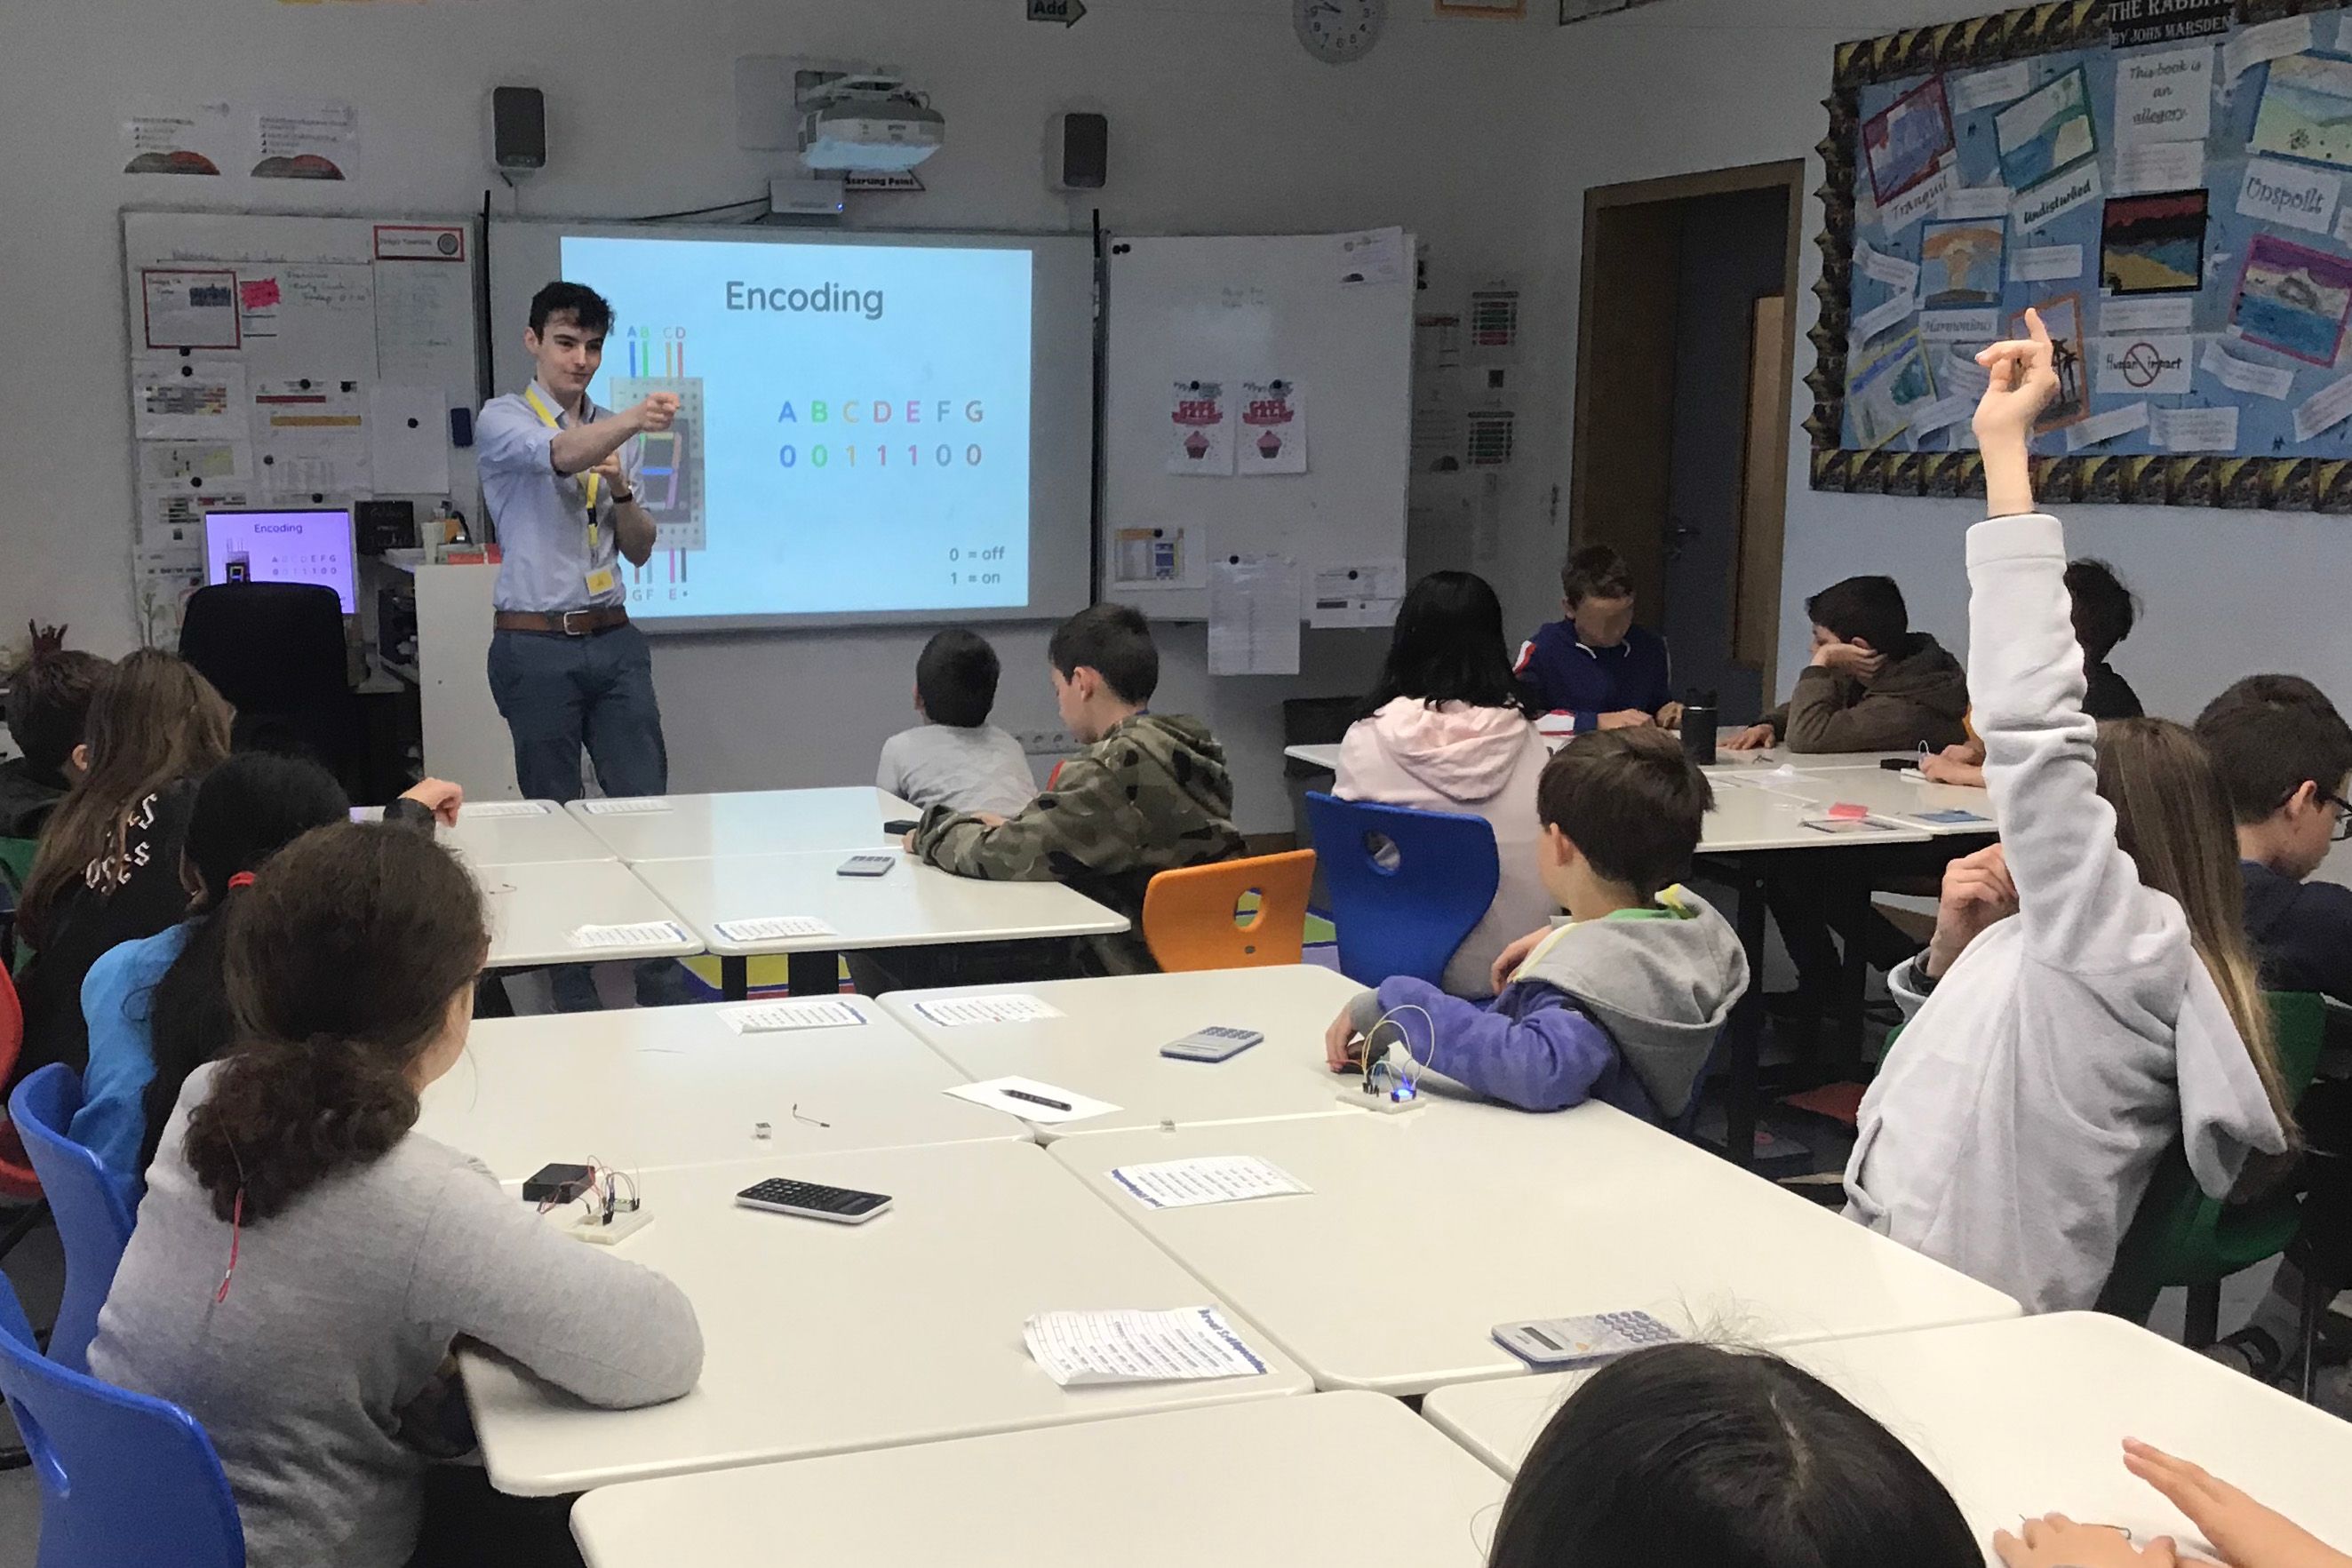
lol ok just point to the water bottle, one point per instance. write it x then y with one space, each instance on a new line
1698 727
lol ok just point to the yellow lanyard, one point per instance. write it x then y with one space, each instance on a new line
547 417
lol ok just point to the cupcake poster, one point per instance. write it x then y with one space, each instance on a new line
1273 435
1201 430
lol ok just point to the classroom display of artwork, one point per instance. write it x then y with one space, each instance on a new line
2164 183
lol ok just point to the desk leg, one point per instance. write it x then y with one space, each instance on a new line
1844 1064
812 974
1745 1047
734 978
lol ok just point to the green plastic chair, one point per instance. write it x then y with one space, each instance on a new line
2180 1236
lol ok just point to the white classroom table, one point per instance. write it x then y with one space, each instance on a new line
1424 1230
2027 1417
1266 1485
549 833
914 905
534 909
1326 757
1899 797
1107 1044
827 1339
748 822
643 1088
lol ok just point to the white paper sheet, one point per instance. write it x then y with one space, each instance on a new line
2195 429
408 438
2165 98
2056 197
1973 328
190 308
957 1012
774 928
801 1012
2146 166
1930 417
1199 428
1254 615
221 465
1982 90
1974 201
1960 376
2288 194
307 138
2045 263
1212 1178
2249 46
1920 201
1163 557
1369 256
1901 275
172 515
2323 410
643 933
331 463
2107 427
173 399
2153 313
421 311
626 805
2241 375
1882 318
178 139
1271 435
2157 364
1080 1349
1356 592
1052 1105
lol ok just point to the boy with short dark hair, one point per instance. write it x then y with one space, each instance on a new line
2285 755
1623 1000
1874 683
48 698
1150 791
956 758
1594 665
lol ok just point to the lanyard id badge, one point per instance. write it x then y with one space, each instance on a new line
602 579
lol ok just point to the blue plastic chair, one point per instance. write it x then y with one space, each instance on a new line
92 1220
1406 887
126 1481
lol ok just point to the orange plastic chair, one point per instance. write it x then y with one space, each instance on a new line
1192 916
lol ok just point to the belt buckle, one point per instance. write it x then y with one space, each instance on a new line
563 622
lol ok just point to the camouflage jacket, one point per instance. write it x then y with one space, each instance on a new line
1150 795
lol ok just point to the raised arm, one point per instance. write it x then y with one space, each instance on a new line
2077 891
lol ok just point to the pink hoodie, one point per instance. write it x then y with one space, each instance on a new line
1482 762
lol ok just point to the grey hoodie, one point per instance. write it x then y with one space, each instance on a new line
1624 1008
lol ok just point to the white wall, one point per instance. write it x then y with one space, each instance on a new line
2226 592
1219 123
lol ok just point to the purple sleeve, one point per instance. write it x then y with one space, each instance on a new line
1546 1059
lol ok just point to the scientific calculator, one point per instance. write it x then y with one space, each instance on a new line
813 1200
1553 1344
1216 1043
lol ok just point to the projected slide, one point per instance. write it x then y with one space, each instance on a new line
854 423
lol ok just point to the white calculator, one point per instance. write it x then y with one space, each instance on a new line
1554 1345
1214 1044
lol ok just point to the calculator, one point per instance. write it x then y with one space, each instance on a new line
1216 1043
867 865
1554 1345
813 1200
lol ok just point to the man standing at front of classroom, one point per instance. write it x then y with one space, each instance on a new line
567 667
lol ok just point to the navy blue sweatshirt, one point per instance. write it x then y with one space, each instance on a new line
1565 676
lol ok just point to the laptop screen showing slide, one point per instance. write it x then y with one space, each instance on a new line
312 546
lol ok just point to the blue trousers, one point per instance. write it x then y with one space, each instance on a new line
559 694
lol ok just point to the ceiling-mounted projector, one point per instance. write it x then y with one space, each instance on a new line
865 122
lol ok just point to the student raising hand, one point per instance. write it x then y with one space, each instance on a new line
2241 1530
2024 379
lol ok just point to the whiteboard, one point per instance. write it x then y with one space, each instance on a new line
279 360
1253 309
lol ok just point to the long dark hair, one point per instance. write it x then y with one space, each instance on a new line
151 720
343 959
1448 647
1692 1454
248 808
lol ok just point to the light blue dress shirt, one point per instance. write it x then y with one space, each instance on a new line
543 516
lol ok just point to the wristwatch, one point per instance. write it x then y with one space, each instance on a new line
623 497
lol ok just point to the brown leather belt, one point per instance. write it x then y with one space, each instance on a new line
563 622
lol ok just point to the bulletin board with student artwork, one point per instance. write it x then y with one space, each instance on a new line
2163 180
